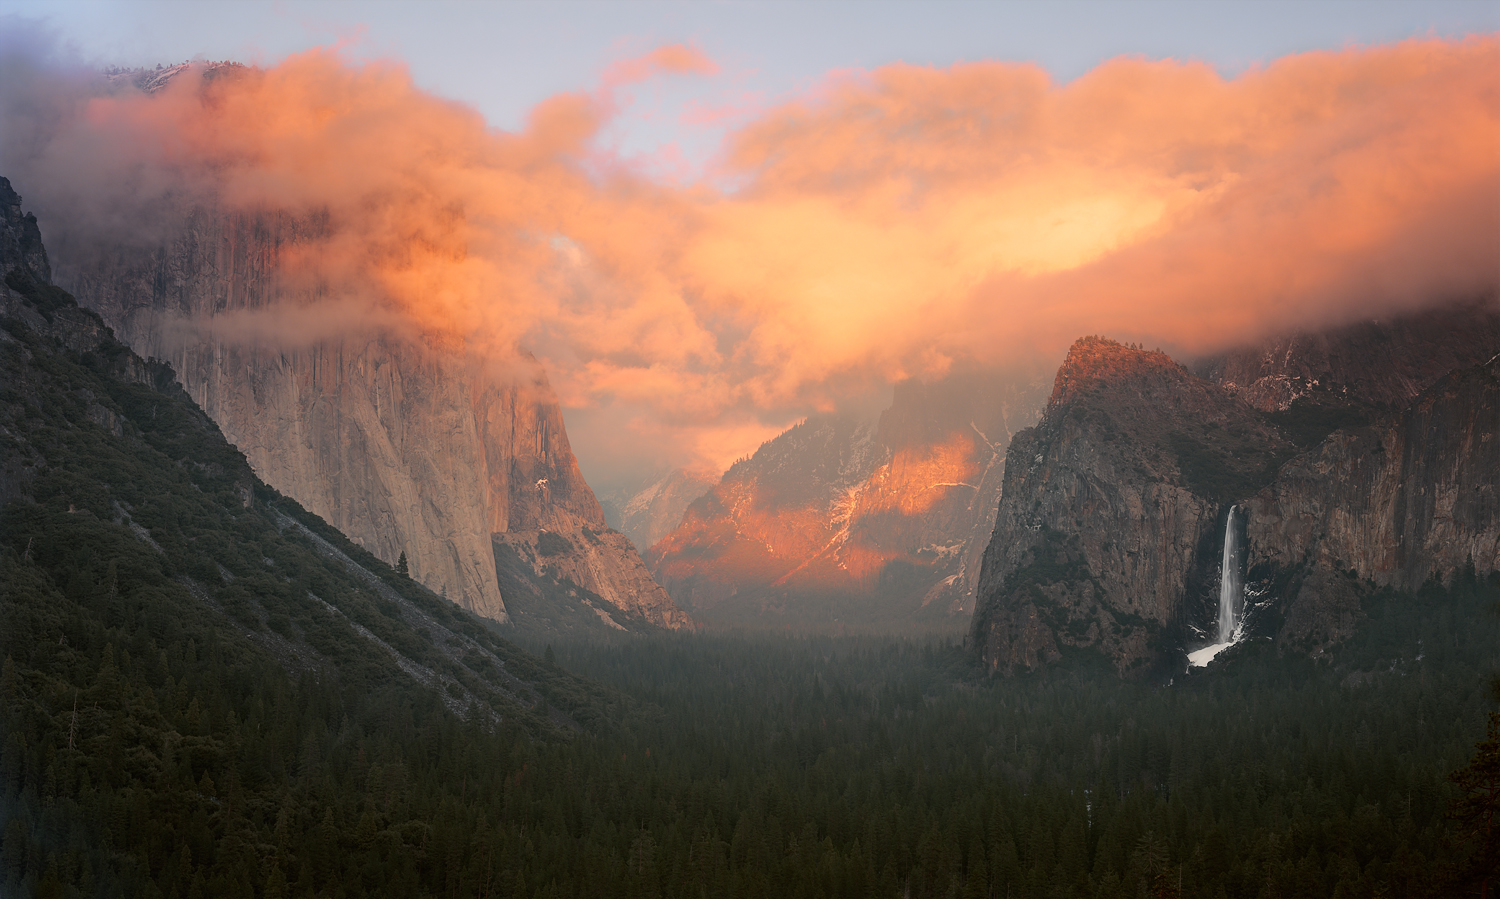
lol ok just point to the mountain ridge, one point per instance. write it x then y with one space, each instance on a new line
844 523
1109 533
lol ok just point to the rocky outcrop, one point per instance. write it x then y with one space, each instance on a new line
405 445
603 563
1108 505
1384 362
21 247
837 523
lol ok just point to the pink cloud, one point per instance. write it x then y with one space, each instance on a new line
668 59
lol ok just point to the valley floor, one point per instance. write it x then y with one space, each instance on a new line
756 765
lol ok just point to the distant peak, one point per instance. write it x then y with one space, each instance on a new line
150 80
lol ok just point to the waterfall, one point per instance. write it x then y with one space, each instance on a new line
1231 591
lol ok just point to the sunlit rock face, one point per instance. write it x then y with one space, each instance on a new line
1373 471
405 446
841 523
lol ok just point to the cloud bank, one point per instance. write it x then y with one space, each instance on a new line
888 225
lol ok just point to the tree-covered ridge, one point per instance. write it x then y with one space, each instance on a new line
182 645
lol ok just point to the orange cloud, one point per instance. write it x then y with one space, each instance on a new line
981 209
891 224
669 59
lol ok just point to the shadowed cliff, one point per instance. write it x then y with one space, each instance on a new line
1109 533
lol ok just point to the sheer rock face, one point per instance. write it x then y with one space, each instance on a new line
1111 521
1107 506
1406 497
402 446
837 522
21 238
1410 498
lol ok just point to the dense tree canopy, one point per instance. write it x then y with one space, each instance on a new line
196 701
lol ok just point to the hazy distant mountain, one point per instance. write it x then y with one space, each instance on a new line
648 512
839 523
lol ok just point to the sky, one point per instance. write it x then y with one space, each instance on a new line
711 219
503 58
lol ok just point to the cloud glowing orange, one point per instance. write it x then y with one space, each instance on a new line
888 225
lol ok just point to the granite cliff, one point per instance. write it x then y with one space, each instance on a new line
1111 523
838 523
405 444
1411 497
126 518
1109 504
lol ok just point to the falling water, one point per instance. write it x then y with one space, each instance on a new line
1231 592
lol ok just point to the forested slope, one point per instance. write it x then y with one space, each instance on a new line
207 690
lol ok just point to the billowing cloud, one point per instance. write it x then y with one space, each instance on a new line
983 209
890 224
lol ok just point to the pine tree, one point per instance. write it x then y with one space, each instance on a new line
1477 809
401 567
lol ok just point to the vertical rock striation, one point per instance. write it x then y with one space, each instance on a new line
1412 497
403 445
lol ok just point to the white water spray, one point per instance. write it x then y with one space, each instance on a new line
1231 591
1231 595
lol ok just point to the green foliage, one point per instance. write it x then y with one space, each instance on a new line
550 544
1476 811
1315 778
197 693
46 297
